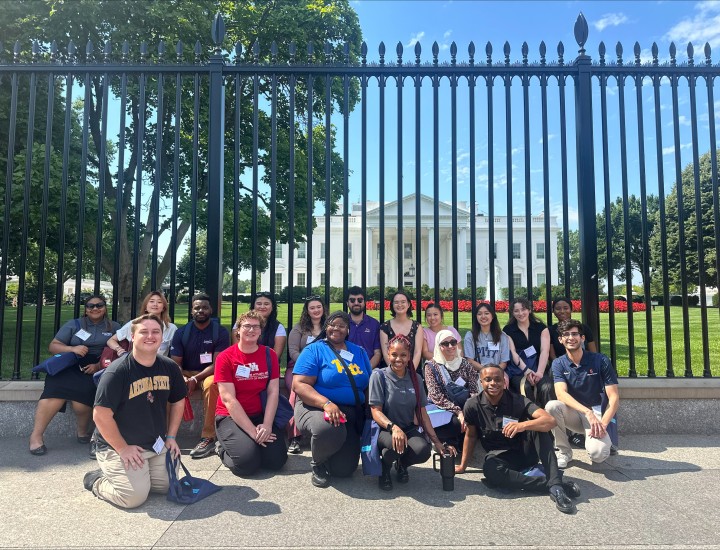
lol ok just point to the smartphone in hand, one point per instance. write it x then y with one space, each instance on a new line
341 419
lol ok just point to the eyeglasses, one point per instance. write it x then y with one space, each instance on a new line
356 300
250 328
449 344
341 326
96 305
571 335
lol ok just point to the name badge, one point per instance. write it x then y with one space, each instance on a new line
508 420
493 347
158 445
460 381
529 352
83 334
310 339
205 358
345 354
242 371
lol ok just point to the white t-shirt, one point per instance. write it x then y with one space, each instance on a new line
124 334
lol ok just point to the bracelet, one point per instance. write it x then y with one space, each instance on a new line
193 378
169 437
328 402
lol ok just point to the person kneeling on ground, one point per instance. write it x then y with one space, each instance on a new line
581 378
397 401
131 414
514 433
247 437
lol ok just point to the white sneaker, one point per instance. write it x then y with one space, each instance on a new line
563 459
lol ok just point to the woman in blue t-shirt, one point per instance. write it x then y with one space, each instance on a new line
330 379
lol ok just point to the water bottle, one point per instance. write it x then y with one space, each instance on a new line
447 469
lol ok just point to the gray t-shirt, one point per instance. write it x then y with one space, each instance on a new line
484 351
397 396
99 334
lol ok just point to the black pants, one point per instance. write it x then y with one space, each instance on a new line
417 450
240 453
338 447
539 394
504 468
451 433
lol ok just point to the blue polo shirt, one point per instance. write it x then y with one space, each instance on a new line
585 382
366 334
199 342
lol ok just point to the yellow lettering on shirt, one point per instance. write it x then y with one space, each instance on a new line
354 368
147 384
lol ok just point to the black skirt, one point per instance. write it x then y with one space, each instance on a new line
72 385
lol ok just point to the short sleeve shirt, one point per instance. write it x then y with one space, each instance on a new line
396 396
320 361
484 350
555 340
366 334
138 397
585 382
488 419
199 343
99 335
248 373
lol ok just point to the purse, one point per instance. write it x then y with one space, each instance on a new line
57 363
284 412
455 392
109 355
189 489
438 417
369 451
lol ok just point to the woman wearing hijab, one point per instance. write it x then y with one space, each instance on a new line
446 376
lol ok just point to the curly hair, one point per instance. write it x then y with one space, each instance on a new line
306 324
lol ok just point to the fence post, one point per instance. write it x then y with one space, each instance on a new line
586 181
216 169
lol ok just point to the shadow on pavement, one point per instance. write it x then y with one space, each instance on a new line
238 499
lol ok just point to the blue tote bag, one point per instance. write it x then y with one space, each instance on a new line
189 489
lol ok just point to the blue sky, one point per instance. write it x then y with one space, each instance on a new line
462 21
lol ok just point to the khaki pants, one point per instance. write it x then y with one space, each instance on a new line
210 396
130 488
570 419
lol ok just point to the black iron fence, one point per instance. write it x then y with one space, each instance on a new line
191 171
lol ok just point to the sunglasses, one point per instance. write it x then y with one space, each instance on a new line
263 295
97 305
356 300
449 344
311 298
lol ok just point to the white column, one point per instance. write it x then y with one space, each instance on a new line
462 258
370 257
431 257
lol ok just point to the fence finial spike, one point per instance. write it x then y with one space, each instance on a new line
435 52
637 51
506 51
488 52
381 52
418 51
708 51
471 53
543 51
161 51
654 50
179 51
619 53
561 53
89 49
673 53
217 32
453 53
581 33
690 54
125 51
399 52
274 51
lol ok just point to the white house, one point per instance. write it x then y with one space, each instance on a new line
422 261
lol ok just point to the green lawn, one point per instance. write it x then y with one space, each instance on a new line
623 348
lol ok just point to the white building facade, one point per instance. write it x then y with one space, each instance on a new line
420 262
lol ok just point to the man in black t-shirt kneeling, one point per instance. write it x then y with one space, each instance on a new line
131 415
515 435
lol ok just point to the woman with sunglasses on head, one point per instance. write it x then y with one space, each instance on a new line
446 376
435 319
247 436
303 333
274 334
330 379
85 337
402 323
155 303
562 308
529 350
397 402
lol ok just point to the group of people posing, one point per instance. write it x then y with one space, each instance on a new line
423 387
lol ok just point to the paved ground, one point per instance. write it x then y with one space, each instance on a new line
659 492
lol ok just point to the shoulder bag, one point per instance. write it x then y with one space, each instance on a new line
189 489
284 411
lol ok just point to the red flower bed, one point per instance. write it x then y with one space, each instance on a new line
539 306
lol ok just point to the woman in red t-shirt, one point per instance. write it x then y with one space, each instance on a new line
247 438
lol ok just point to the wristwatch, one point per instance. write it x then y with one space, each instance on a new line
389 426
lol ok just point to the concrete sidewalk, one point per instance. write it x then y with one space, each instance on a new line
661 491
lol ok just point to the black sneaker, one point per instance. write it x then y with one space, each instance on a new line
577 440
204 448
385 481
320 476
90 478
294 447
93 449
613 450
402 473
571 489
562 501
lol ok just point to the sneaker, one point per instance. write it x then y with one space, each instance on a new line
563 459
294 447
571 489
90 478
320 476
204 448
613 450
93 449
385 481
402 473
577 440
561 500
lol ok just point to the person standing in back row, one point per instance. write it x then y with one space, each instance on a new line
364 330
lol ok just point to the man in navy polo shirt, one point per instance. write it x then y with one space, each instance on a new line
194 348
581 377
364 330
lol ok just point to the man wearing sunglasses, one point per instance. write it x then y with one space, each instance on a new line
364 330
581 378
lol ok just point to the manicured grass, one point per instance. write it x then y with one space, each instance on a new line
623 349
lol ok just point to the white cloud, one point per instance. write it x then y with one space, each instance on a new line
703 27
550 138
610 20
670 150
447 34
415 39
